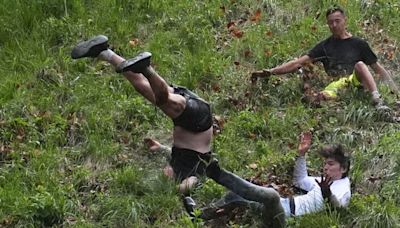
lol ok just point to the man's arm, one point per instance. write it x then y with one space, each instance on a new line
291 66
300 174
288 67
379 69
154 145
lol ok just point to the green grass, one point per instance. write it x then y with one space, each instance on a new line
71 132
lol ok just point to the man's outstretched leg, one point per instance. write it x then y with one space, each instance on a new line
273 213
97 47
365 77
170 103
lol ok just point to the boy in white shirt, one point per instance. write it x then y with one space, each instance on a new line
333 185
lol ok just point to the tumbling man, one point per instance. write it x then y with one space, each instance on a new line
190 114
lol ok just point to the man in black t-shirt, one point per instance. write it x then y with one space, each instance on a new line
343 56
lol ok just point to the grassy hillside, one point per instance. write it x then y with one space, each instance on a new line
71 132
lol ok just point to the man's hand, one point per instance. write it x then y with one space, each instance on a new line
325 185
152 144
305 143
259 74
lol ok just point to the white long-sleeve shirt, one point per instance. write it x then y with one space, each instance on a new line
313 200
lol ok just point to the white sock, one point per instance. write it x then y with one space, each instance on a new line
106 55
375 94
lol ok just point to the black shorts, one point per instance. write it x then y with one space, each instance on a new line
186 163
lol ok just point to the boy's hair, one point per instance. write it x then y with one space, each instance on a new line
337 153
334 8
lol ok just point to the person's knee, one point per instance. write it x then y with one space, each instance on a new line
275 198
272 197
187 184
273 213
360 68
360 65
169 172
362 72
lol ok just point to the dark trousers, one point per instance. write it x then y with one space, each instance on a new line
266 199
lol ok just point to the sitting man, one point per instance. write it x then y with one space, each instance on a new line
333 185
190 114
344 56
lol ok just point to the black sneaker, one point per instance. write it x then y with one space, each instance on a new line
396 119
90 48
136 64
189 205
381 106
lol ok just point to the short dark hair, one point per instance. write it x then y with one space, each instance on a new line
335 8
338 153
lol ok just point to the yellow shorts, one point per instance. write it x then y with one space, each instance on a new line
333 87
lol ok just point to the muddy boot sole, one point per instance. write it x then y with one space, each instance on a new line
137 64
90 48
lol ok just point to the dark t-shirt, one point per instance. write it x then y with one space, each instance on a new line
340 55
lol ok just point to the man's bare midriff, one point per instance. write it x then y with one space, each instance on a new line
199 142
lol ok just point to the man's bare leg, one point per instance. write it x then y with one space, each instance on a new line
365 77
171 104
137 80
97 47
